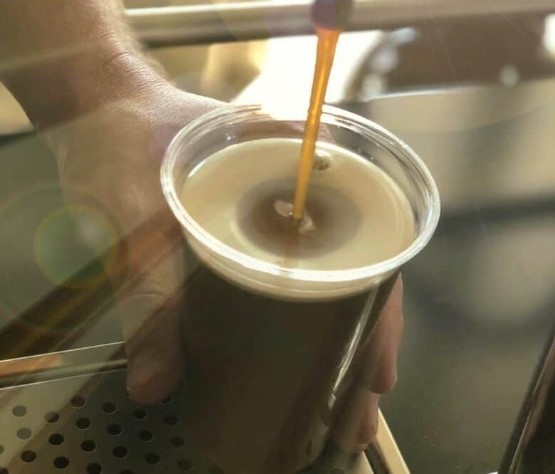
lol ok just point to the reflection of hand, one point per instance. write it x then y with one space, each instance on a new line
358 422
112 160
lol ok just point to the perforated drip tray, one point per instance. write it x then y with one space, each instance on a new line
86 424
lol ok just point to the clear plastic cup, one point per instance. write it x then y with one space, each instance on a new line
272 348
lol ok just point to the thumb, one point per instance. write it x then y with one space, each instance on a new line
149 309
151 329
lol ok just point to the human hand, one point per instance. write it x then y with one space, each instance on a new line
113 159
111 164
60 68
358 422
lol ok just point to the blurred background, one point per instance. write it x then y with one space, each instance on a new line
475 97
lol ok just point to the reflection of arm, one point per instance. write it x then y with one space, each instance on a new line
61 58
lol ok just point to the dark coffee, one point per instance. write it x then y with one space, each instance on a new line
265 376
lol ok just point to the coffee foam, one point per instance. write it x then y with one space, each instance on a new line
356 216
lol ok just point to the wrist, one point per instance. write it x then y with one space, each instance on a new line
63 89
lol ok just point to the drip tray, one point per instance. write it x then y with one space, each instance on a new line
85 424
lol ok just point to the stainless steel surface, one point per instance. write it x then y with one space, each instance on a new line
55 365
258 19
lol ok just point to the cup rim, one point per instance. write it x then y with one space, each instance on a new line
385 267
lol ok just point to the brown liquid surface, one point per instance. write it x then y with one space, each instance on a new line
355 214
264 216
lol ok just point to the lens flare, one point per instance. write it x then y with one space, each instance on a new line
68 243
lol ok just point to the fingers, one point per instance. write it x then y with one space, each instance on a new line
151 326
378 370
113 160
149 309
357 422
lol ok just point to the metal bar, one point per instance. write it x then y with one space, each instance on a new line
260 19
55 365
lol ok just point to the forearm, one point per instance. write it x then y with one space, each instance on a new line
64 58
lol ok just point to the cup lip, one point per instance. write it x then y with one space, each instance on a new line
314 276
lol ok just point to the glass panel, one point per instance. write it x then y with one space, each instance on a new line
473 96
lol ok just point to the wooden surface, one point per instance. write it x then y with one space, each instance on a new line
390 456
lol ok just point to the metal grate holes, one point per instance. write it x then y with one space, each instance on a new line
56 439
94 468
83 423
19 410
61 462
88 445
24 433
170 420
120 452
51 417
114 429
28 456
77 401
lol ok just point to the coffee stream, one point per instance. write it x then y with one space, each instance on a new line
327 42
